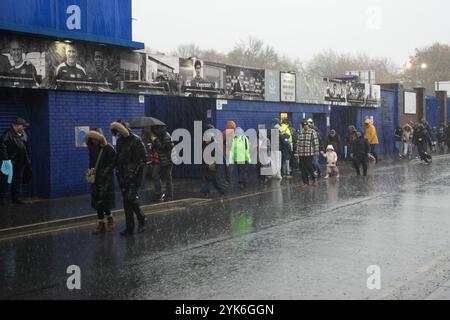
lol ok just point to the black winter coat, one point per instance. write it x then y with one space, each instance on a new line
130 162
361 149
163 146
103 190
14 148
335 142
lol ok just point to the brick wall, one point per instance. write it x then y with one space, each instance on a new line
68 110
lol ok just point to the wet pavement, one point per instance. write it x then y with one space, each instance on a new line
276 241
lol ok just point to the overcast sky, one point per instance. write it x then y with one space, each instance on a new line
297 28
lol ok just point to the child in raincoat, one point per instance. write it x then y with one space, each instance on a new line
332 159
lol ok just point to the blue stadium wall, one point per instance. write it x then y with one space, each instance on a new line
385 119
433 111
58 166
182 112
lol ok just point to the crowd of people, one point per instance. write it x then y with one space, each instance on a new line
302 150
419 140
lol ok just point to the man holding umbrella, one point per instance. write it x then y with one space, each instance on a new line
155 131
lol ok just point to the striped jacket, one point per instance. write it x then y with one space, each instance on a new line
307 144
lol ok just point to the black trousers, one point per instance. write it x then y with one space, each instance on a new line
307 168
131 207
357 163
423 151
16 182
164 174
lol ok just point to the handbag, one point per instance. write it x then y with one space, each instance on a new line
92 172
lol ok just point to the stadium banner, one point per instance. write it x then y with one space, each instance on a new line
356 93
288 86
335 92
245 83
310 88
272 86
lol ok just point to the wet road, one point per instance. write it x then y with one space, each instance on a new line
280 243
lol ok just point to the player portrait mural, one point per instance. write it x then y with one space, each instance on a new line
245 83
22 62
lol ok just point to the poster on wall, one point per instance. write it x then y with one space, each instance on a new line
288 87
22 62
163 75
373 95
272 86
73 66
245 83
410 102
27 62
310 88
335 91
356 92
193 82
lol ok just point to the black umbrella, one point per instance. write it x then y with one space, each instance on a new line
145 122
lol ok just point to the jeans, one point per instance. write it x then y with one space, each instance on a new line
399 147
286 168
316 165
165 174
208 184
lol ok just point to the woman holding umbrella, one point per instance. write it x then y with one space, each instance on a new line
155 131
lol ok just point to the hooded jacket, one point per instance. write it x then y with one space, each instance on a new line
163 146
240 149
407 135
331 157
371 133
228 132
131 157
103 190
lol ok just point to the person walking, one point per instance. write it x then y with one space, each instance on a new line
321 147
332 159
15 160
447 132
407 138
372 138
349 139
162 164
398 136
422 140
361 154
240 156
335 141
307 148
286 155
228 135
441 138
210 172
131 160
102 158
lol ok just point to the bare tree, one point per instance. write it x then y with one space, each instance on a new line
187 51
331 63
428 65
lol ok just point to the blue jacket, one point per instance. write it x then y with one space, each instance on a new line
286 149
